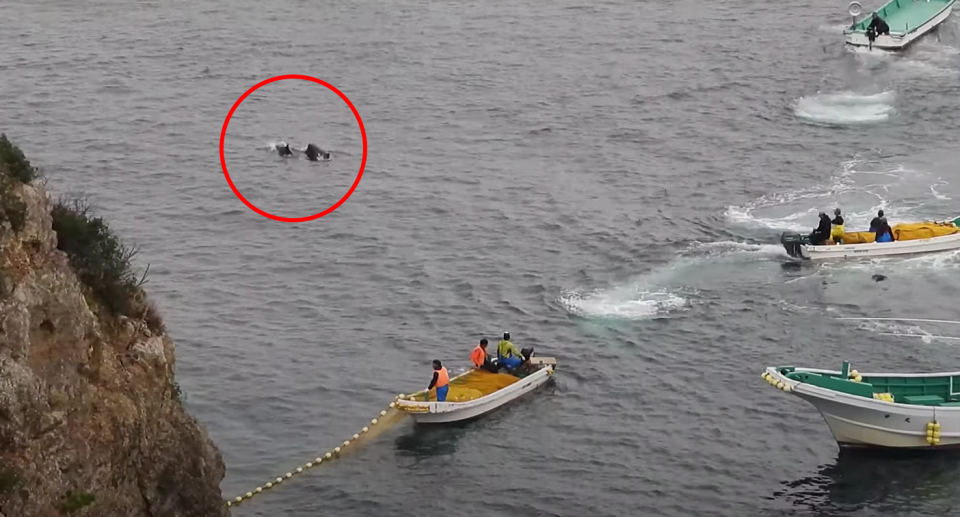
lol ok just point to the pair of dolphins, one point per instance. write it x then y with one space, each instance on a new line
313 152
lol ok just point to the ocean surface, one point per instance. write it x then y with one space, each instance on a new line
605 180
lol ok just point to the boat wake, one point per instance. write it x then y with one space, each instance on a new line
859 189
846 107
667 289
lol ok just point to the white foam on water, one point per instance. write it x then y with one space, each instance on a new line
846 107
624 302
734 248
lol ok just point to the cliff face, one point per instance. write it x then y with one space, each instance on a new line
91 422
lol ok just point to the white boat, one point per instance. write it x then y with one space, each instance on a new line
879 410
908 20
909 239
477 392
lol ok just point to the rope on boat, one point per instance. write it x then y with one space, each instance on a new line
377 426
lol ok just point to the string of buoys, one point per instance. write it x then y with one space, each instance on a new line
933 432
775 382
324 459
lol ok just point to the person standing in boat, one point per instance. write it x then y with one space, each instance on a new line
822 233
440 381
480 359
837 233
507 354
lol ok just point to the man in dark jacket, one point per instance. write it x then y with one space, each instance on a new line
877 26
822 233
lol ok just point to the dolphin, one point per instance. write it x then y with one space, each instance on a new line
284 149
314 153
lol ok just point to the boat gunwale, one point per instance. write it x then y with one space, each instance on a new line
433 406
811 390
893 33
845 247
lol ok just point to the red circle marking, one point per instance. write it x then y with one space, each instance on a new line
363 162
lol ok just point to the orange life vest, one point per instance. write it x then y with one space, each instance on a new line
477 356
442 378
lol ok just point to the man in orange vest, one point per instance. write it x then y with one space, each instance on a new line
480 359
440 381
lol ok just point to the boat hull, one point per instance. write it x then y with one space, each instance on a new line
449 412
899 37
858 422
875 249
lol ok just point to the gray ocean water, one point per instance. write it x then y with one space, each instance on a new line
605 180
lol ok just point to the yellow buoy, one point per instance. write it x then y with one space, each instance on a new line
299 470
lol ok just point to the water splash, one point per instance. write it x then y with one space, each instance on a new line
846 107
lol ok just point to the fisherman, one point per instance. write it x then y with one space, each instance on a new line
884 233
822 233
837 233
440 381
507 354
877 27
480 359
875 222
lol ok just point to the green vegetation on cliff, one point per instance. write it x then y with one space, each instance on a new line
14 167
98 257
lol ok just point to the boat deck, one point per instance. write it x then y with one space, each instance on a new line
904 20
910 15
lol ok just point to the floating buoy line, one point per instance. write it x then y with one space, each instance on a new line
919 320
377 426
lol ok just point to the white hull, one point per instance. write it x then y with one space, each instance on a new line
862 422
897 39
881 249
424 412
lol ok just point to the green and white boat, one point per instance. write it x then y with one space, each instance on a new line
908 20
879 410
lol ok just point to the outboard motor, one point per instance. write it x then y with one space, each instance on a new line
791 242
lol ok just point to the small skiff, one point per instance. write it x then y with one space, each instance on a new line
909 239
879 410
908 21
477 392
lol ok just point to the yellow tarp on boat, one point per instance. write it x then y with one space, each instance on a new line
905 232
909 232
478 383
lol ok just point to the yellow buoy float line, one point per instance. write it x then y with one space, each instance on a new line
933 432
315 463
777 383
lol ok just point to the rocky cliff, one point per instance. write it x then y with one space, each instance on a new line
91 422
